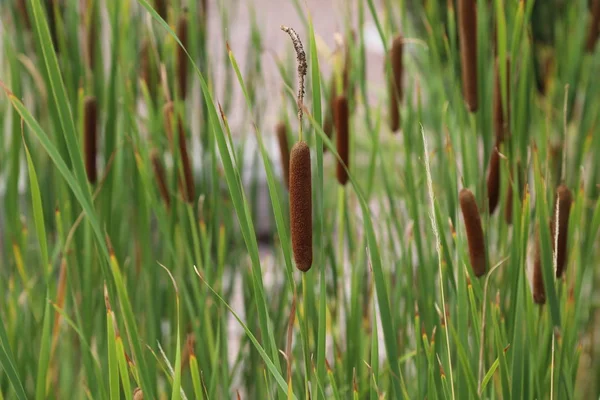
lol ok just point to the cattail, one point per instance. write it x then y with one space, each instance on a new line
395 84
467 18
301 205
539 292
188 192
341 117
138 394
564 199
50 5
161 177
161 8
22 9
556 158
90 137
328 123
181 57
284 150
493 180
475 237
501 114
594 31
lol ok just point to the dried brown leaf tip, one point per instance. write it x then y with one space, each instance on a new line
161 177
493 180
284 151
395 84
539 292
90 137
562 205
467 19
474 230
501 112
341 116
301 205
181 56
594 31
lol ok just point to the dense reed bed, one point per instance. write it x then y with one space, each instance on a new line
191 211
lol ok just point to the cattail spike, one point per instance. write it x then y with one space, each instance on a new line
493 180
396 92
181 57
90 137
501 114
474 230
301 206
284 150
161 178
467 19
594 31
343 137
188 173
564 199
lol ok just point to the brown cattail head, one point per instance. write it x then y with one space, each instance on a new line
90 137
161 177
284 151
395 83
188 191
181 57
342 128
328 123
556 159
301 206
564 199
594 31
467 19
501 113
475 237
138 394
493 180
539 292
161 8
22 9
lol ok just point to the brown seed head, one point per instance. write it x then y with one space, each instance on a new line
501 114
564 199
90 137
493 180
181 58
395 83
467 19
594 31
301 206
342 128
161 178
475 236
284 151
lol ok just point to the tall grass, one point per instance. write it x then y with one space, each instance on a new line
454 259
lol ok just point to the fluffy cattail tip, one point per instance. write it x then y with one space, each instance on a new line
301 205
475 236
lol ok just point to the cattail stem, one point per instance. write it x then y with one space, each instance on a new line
539 292
467 19
501 112
284 150
396 92
181 56
161 178
594 31
564 198
301 205
90 137
493 180
342 138
474 229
